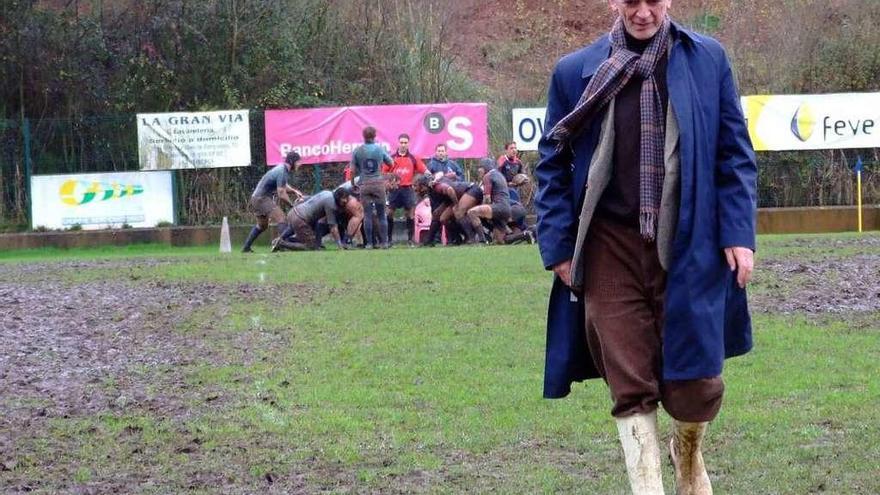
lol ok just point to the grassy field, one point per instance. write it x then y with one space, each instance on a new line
410 370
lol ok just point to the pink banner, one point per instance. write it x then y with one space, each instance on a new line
322 135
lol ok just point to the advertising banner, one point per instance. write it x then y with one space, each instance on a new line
812 122
322 135
776 122
193 140
98 201
528 126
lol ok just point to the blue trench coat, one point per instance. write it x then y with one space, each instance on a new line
707 317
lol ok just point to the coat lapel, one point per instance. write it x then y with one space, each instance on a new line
679 86
593 58
669 200
597 180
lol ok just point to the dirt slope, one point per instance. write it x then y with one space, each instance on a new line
511 45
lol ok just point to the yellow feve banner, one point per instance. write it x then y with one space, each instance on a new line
813 122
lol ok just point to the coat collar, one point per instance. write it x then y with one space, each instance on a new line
599 51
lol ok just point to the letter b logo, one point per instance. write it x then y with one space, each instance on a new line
435 123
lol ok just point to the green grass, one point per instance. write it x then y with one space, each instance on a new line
421 371
103 252
808 247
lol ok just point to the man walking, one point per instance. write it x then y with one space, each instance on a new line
646 214
365 163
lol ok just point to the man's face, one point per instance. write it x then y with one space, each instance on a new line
403 146
440 153
481 172
421 189
511 151
641 18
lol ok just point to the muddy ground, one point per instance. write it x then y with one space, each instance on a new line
823 276
77 350
824 287
74 350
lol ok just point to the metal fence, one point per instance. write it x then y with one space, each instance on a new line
109 144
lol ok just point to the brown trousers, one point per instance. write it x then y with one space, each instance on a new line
304 232
624 286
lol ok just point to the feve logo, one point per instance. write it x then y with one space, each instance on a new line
75 193
803 123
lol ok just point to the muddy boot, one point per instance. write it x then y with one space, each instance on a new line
641 450
428 238
452 230
480 234
467 230
255 232
279 244
390 219
524 236
691 477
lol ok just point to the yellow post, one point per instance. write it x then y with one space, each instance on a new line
859 196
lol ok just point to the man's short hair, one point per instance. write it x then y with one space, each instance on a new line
369 133
507 145
424 180
292 158
340 194
404 135
486 164
440 145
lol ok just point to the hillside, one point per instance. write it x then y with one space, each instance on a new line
511 46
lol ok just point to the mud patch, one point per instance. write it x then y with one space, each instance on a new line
826 286
77 352
51 271
60 344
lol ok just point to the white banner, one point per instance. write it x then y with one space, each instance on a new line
98 201
813 122
528 126
776 122
194 140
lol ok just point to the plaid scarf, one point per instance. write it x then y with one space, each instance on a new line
609 80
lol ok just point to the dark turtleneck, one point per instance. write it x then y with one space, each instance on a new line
620 201
635 44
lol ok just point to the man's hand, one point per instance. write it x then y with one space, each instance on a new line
299 195
563 270
741 260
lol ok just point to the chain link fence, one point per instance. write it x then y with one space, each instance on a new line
109 144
